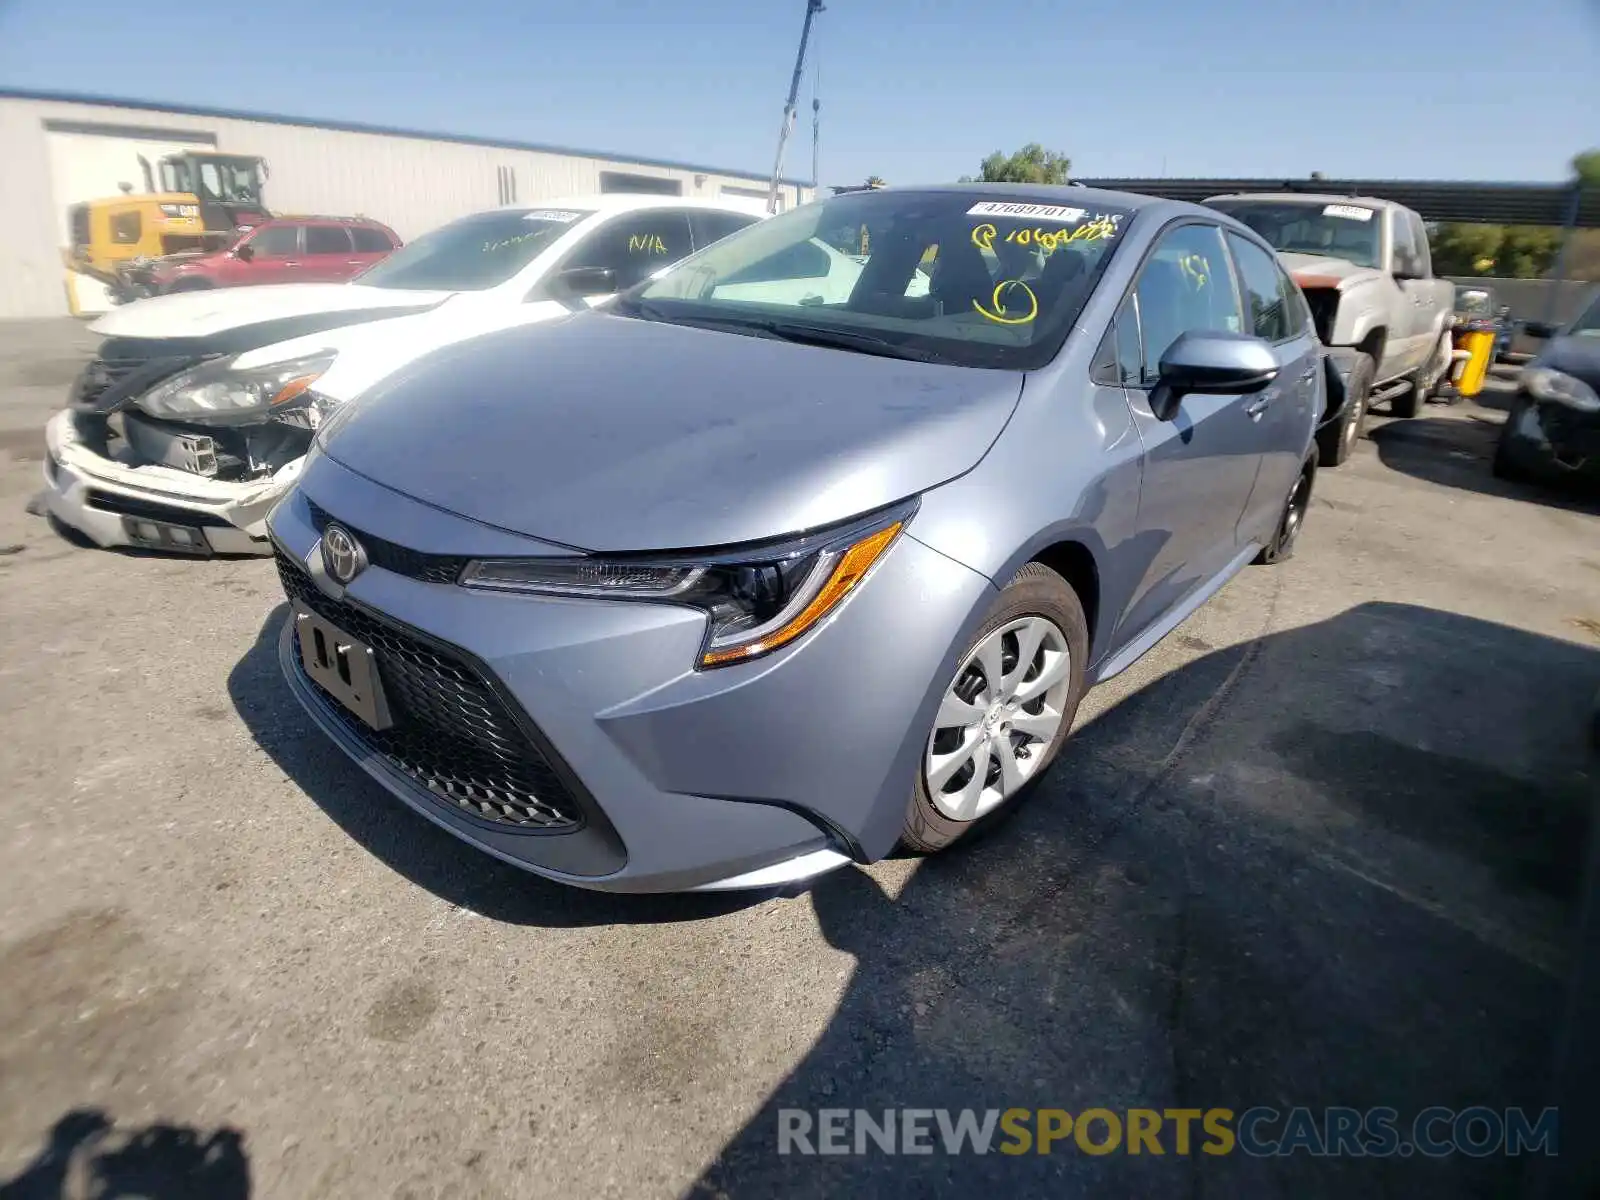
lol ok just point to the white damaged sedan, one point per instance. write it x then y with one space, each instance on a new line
192 420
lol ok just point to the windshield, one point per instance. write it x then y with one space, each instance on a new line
474 253
963 277
1346 231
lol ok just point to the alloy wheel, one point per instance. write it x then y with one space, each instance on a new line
999 718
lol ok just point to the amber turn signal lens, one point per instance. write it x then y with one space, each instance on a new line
294 388
847 572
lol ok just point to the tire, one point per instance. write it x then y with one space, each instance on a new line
1039 601
1293 520
190 285
1409 402
1505 465
1336 442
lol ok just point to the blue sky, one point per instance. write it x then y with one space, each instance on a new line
915 92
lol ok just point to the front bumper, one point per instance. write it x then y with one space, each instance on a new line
99 497
750 775
1552 440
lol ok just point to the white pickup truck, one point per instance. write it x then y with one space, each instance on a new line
1367 273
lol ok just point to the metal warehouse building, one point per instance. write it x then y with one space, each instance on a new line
60 150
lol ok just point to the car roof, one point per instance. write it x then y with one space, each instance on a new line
1071 194
615 202
298 218
1306 198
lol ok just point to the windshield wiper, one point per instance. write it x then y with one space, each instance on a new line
843 339
783 331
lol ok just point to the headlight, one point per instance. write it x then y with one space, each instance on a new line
219 393
756 600
1558 387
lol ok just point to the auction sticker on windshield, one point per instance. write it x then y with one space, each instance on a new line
1031 212
551 214
1349 212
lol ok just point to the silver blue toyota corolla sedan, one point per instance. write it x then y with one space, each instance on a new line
808 546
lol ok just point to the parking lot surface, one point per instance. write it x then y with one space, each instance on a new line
1321 847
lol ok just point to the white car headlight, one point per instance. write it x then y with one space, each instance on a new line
1557 387
220 393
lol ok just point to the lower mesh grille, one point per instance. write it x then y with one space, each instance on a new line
451 732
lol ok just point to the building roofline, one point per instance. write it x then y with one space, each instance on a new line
463 139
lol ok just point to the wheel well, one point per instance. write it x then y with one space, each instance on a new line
1372 344
191 284
1074 563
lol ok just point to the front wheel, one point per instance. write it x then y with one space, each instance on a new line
1337 441
1004 716
1281 548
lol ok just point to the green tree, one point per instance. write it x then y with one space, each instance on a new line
1032 164
1466 249
1586 167
1527 251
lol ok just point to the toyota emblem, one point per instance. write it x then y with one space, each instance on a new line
342 554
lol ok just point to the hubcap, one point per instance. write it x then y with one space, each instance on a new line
998 718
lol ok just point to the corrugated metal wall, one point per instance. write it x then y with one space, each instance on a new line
410 183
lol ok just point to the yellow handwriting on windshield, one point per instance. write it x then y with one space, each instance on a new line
1000 314
1047 240
646 243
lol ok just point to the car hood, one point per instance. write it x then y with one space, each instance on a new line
606 433
212 311
1575 354
1316 270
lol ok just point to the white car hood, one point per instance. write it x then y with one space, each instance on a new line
377 349
1316 270
204 313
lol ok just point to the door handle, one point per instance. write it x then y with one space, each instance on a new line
1255 408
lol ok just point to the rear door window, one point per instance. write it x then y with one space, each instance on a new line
327 239
714 226
1260 281
371 241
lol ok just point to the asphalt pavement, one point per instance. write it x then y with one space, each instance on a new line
1322 847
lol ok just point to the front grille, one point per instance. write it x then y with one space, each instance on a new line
151 510
451 731
391 556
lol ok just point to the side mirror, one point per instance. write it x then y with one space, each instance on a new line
586 281
1211 362
1539 329
245 252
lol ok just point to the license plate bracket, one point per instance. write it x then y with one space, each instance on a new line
164 535
343 666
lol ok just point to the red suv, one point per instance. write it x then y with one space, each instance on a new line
281 250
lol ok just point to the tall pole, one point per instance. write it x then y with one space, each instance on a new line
816 138
813 7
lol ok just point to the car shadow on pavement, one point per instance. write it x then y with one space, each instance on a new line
1334 866
86 1155
1459 453
409 843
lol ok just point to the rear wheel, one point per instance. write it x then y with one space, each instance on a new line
1337 441
1004 716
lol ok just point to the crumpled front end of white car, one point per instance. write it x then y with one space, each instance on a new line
190 463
